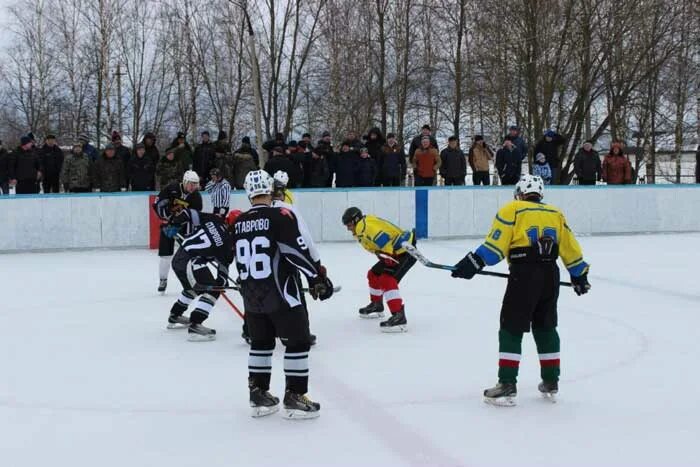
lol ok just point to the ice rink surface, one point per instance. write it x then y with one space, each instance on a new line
91 377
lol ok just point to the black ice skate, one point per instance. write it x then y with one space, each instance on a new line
373 310
262 403
199 333
502 395
299 407
549 390
178 322
395 323
162 285
245 335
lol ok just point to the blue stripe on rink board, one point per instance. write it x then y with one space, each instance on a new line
422 213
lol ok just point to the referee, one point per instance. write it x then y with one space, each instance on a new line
220 191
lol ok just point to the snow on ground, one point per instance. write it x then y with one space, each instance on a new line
91 377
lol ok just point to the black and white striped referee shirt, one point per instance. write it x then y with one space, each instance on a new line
220 193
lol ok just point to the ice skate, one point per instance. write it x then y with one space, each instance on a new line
299 407
549 390
502 395
373 310
199 333
395 323
262 403
162 285
178 322
245 335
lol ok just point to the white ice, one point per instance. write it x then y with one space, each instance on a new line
91 378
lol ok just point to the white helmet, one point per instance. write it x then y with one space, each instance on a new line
529 184
281 178
190 177
257 183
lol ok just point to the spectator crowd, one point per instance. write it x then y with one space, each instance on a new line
358 161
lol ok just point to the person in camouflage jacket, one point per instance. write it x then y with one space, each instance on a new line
108 174
76 172
169 169
226 163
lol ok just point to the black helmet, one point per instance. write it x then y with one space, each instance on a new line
352 214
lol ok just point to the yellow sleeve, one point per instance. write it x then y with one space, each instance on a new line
570 251
288 197
496 246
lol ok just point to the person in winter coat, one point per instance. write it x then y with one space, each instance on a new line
51 160
280 161
183 151
318 169
480 154
426 163
76 173
245 160
418 141
108 174
121 152
297 154
4 171
222 145
617 169
518 140
141 170
509 163
324 147
149 143
375 143
226 163
278 142
549 146
366 169
25 168
203 158
454 163
587 165
392 162
169 169
542 169
88 149
346 166
353 140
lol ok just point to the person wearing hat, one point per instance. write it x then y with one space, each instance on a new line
51 158
426 163
549 145
25 168
480 155
245 161
183 150
219 190
149 143
418 141
518 141
109 174
542 169
4 171
76 173
366 169
392 162
324 148
509 163
169 169
203 158
280 161
88 149
278 142
141 170
121 152
587 165
454 163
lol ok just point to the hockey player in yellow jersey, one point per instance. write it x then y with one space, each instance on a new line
384 239
281 179
531 235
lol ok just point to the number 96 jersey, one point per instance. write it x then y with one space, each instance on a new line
269 253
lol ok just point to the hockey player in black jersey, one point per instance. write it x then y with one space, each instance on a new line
202 260
171 200
269 253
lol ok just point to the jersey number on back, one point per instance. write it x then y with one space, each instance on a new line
253 261
199 241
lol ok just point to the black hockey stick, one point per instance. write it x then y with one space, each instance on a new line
413 251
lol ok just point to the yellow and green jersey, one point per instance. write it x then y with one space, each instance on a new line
379 236
521 224
288 198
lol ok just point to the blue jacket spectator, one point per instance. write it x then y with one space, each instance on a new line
542 169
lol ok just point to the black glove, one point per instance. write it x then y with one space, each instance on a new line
581 284
469 266
321 288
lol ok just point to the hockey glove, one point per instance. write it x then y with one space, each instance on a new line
469 266
171 231
581 284
321 288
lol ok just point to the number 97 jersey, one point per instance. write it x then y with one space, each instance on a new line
269 254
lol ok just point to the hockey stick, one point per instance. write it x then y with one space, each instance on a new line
413 251
216 288
235 308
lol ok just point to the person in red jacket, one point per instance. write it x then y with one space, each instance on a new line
617 169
